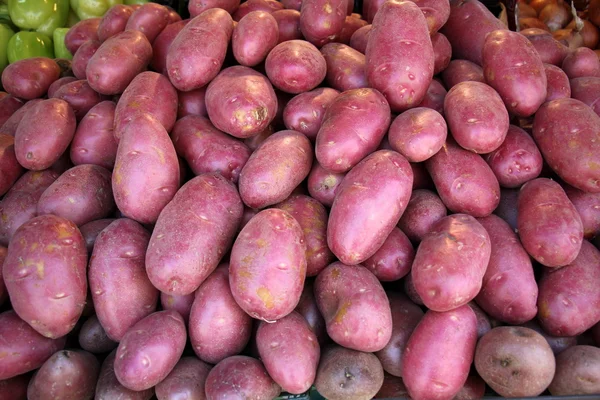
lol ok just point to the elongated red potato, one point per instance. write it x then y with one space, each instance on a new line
551 51
320 20
580 63
587 90
558 83
394 258
10 168
150 19
94 142
460 71
30 78
304 113
254 37
587 205
424 209
161 45
109 387
345 67
82 58
187 379
256 5
288 24
418 133
114 21
80 96
442 50
360 37
81 32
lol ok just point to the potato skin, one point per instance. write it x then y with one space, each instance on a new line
587 90
320 20
68 374
192 103
3 292
94 142
346 374
82 58
93 338
305 112
109 388
187 380
586 205
181 304
399 55
580 63
12 123
218 327
351 24
8 106
424 209
550 227
297 344
256 5
515 361
91 230
323 184
307 307
558 344
10 168
240 377
345 67
150 19
434 97
464 182
359 38
451 333
114 21
193 233
14 388
442 50
459 71
80 96
30 78
201 44
81 32
551 51
558 83
418 133
577 372
394 258
162 43
254 37
288 24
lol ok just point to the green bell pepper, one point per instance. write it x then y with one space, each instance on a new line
132 2
42 16
72 19
29 44
60 50
5 34
92 8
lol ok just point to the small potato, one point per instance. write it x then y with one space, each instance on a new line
256 5
434 97
10 169
114 21
25 348
321 20
451 262
288 23
117 61
81 32
241 102
405 317
196 55
295 66
254 37
240 377
473 389
418 133
80 96
587 90
296 344
411 292
580 63
218 327
394 258
483 321
345 67
424 209
442 51
181 304
323 184
558 344
451 333
549 226
588 207
517 160
192 234
68 374
93 337
462 71
150 19
8 106
14 388
192 103
346 374
94 142
359 39
550 50
30 78
307 307
558 83
109 387
161 45
304 113
577 372
352 23
515 361
187 380
81 59
507 208
60 82
197 7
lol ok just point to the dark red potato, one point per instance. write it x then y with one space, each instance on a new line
587 90
254 37
160 46
558 83
321 20
82 58
197 7
288 23
109 388
8 106
424 209
81 32
256 5
394 258
442 51
94 141
30 78
307 307
558 344
114 21
580 63
93 337
10 168
150 19
551 51
192 103
14 388
418 133
345 67
187 381
588 207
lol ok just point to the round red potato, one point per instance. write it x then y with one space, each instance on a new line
551 51
81 32
304 113
30 78
588 207
320 20
577 372
80 96
558 83
462 71
442 50
394 258
256 5
360 37
114 21
288 22
254 37
94 142
587 90
323 184
93 337
150 19
91 230
424 209
187 380
581 62
197 7
418 133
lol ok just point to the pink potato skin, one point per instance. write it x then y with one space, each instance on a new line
256 5
81 32
197 7
352 128
196 55
587 90
192 103
150 19
240 377
162 43
549 226
424 209
509 291
405 317
150 350
34 148
8 106
558 83
298 345
47 260
241 102
394 258
307 307
400 58
517 160
254 37
580 63
461 71
108 386
360 37
14 388
442 50
219 328
365 211
566 132
181 304
10 169
464 182
3 292
551 51
451 262
356 319
146 173
292 4
418 133
81 59
295 66
345 67
94 142
187 380
27 349
30 78
434 97
352 23
118 275
114 21
436 12
206 149
193 233
323 184
275 169
577 371
268 265
80 96
320 20
588 207
288 24
304 113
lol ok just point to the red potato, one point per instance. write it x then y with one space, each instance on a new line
112 276
187 380
307 307
288 23
82 58
473 389
241 102
577 372
549 226
558 83
411 292
345 67
550 50
255 141
3 292
192 103
257 5
557 344
418 133
93 337
588 207
434 97
393 387
80 96
304 113
81 32
10 169
150 350
114 21
254 37
321 20
146 173
295 66
25 348
400 56
150 19
8 106
351 24
288 341
451 262
355 307
181 304
423 211
60 82
109 388
359 39
47 259
162 43
275 169
68 374
118 61
580 63
196 55
587 90
30 78
322 184
292 4
509 291
483 321
451 333
517 160
240 377
14 388
94 142
442 50
436 12
394 258
405 317
197 7
507 208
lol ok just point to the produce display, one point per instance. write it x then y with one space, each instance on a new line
288 199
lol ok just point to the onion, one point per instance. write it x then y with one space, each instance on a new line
538 5
526 11
527 23
569 37
591 34
555 16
